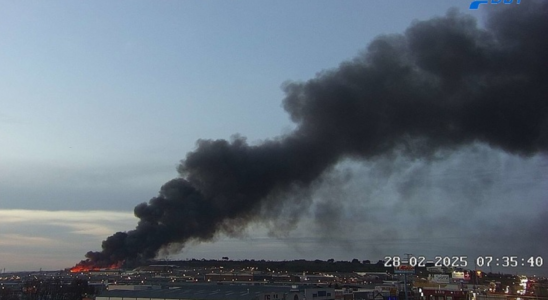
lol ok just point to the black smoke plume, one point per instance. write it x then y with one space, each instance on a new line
443 84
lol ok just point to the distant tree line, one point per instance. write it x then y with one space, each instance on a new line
296 266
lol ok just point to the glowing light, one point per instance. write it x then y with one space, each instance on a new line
86 266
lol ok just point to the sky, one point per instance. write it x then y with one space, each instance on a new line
101 100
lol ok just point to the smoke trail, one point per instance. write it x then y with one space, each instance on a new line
443 84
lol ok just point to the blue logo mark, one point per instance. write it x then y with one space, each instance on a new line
476 4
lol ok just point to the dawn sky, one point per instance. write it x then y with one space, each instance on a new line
101 100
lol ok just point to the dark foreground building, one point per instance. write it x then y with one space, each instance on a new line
222 292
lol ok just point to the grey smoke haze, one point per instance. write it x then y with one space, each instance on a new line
442 85
475 201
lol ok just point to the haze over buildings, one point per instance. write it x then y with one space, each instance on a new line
110 107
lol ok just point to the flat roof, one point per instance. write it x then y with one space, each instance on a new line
205 291
198 291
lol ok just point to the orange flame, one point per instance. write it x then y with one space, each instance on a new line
86 266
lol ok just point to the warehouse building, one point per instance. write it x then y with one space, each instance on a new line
222 292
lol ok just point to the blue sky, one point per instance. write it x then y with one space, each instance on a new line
100 100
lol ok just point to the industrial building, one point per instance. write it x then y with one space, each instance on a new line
222 292
249 277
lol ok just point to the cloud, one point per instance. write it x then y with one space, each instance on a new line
21 240
54 239
95 223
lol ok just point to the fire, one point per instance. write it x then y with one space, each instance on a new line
86 266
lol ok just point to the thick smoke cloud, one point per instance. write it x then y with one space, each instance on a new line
443 84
